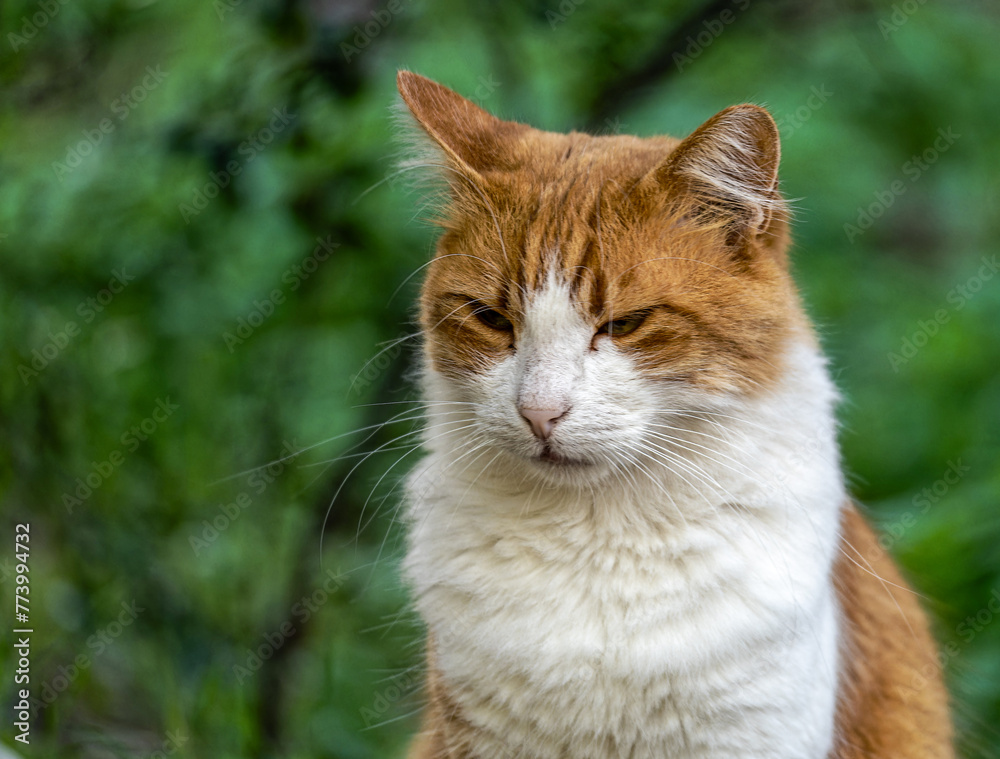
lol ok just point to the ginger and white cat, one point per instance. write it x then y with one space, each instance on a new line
630 535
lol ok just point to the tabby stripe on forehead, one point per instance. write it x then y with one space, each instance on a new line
591 264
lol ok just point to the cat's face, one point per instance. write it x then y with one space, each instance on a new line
590 293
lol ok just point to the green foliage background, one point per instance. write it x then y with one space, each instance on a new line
859 89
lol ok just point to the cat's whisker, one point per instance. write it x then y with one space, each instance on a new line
427 404
447 316
436 259
341 487
700 474
418 416
867 568
385 474
710 454
415 447
686 463
525 509
675 461
453 462
745 472
386 535
725 438
460 501
372 428
652 478
472 439
732 501
389 345
701 414
421 417
325 463
389 721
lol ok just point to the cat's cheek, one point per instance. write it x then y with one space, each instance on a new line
613 399
491 388
496 386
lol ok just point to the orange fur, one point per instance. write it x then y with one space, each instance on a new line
893 701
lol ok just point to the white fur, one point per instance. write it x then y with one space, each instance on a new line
627 606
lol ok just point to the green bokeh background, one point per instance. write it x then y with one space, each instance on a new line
859 89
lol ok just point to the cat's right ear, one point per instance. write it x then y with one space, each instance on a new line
466 141
729 166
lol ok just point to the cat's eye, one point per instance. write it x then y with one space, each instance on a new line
493 319
621 327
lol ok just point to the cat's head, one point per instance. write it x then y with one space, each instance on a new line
587 293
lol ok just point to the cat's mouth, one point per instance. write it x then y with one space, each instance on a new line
554 458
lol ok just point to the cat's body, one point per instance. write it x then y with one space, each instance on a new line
630 535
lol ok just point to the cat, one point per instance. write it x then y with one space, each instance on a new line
630 535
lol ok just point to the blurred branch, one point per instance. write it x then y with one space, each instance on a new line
618 93
329 522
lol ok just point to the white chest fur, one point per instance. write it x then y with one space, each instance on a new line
644 618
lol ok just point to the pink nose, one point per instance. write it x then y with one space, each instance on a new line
542 420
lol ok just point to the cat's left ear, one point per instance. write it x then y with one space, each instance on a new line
729 167
473 141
